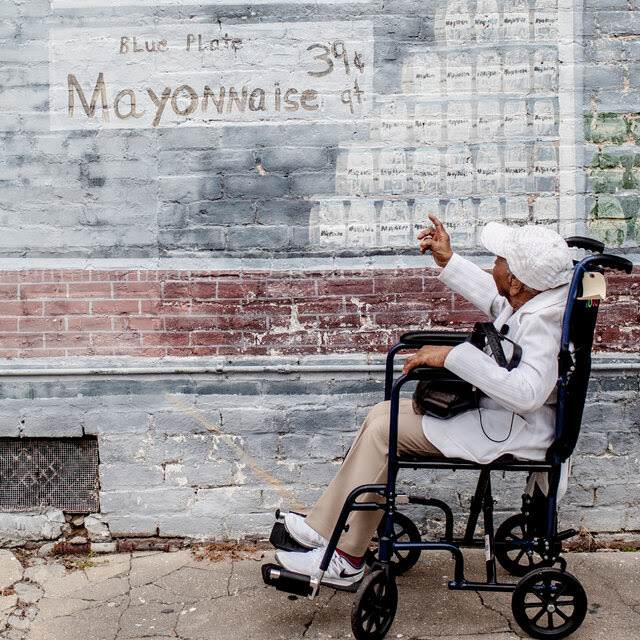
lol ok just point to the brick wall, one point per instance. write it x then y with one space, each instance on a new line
257 235
611 93
49 313
212 455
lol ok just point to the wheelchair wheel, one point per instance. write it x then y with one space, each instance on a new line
404 530
517 559
549 603
375 606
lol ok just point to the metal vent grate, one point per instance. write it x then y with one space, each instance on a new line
53 472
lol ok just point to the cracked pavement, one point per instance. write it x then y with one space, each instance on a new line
174 596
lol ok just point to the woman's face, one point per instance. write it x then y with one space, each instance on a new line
502 277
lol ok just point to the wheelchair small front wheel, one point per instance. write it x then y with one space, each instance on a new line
404 530
375 606
549 603
512 552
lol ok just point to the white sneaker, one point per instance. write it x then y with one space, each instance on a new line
339 573
302 533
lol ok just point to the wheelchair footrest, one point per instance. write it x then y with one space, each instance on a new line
287 581
281 539
283 580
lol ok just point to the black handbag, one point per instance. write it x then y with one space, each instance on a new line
447 398
444 398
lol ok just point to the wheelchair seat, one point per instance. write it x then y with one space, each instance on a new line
547 602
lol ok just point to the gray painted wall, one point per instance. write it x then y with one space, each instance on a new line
236 192
212 455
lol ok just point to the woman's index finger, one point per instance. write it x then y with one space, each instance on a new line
436 222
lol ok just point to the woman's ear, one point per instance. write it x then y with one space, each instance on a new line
515 286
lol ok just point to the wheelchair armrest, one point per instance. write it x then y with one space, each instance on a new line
431 373
421 338
415 340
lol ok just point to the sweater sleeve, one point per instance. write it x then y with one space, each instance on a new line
474 284
528 386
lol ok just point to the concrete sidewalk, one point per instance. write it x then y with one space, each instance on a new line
176 596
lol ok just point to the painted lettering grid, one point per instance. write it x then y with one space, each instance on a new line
472 137
304 188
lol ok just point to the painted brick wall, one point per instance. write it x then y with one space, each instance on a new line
178 233
441 106
212 455
612 61
157 314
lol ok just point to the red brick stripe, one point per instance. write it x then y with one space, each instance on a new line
47 313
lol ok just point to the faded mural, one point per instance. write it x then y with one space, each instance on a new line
472 129
473 137
209 75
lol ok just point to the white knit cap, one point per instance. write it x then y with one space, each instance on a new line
537 256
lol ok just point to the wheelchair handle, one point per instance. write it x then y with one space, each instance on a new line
607 261
590 263
589 244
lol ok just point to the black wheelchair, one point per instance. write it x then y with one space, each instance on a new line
547 601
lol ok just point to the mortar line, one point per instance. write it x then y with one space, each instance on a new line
224 368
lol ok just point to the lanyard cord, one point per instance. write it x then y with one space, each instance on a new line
513 415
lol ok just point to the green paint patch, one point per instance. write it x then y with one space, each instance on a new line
608 160
607 180
634 127
606 127
608 231
607 208
633 231
607 221
629 204
631 178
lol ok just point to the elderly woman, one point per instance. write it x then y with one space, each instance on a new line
525 297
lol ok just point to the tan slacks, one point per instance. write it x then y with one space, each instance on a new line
366 463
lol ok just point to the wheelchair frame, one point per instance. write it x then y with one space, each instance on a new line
557 595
